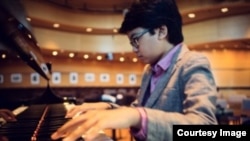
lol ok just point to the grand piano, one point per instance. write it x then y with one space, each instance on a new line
37 118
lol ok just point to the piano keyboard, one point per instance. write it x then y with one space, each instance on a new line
38 122
19 110
15 112
35 123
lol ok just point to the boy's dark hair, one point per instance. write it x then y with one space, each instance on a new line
152 14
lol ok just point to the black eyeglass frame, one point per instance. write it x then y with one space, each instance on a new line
135 40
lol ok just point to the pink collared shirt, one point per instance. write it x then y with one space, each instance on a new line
158 69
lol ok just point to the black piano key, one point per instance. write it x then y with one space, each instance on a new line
28 121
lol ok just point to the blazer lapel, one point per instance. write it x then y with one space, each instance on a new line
163 81
145 82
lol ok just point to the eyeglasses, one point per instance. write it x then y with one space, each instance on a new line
135 40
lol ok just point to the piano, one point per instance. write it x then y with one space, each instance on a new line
38 119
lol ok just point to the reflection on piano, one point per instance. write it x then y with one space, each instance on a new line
45 114
16 37
35 123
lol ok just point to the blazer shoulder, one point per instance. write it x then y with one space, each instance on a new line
195 59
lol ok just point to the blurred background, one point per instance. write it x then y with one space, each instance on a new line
82 57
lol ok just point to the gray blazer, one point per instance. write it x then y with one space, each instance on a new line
185 94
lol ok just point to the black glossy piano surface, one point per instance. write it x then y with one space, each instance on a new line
37 122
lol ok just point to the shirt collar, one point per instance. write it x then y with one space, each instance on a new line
163 64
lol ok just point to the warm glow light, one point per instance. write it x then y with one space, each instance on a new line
28 19
56 25
191 15
115 30
54 53
119 96
224 10
99 57
71 55
85 56
29 36
89 29
122 59
3 56
135 59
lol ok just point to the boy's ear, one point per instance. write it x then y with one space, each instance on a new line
163 32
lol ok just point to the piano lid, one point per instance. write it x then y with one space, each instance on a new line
16 35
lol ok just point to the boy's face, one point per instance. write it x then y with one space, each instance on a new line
147 47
